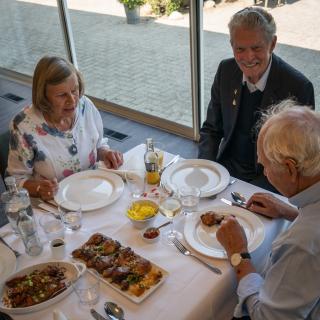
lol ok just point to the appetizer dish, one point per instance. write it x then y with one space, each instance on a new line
36 287
120 266
142 209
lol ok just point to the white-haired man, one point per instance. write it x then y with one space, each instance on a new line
289 287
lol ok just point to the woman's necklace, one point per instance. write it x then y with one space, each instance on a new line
63 125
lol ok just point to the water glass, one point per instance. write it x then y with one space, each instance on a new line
189 197
52 227
72 219
136 181
87 288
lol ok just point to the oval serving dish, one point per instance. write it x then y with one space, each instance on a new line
72 273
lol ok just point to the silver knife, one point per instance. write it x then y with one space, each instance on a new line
232 203
174 160
97 315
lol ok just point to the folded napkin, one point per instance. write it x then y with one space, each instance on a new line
58 315
131 164
49 208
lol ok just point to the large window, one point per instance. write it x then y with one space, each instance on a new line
144 67
29 30
297 31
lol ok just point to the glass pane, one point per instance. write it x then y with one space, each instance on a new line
298 43
29 30
144 66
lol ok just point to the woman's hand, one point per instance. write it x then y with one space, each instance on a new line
268 205
111 158
232 236
46 189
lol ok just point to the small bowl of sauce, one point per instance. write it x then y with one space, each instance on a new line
151 235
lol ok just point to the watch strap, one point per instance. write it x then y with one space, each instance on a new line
245 255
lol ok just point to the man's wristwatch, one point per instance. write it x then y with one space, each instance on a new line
236 258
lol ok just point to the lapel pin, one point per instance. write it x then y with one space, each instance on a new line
234 103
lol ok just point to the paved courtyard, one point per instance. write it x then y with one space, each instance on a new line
147 66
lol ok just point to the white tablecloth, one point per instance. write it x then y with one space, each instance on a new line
190 292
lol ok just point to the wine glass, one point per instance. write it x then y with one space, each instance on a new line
170 206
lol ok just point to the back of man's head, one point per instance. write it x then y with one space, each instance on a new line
254 18
292 132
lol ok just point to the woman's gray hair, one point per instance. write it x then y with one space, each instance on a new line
51 70
254 18
292 132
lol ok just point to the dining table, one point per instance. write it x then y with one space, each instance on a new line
190 291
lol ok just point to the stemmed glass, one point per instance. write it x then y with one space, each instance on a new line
170 206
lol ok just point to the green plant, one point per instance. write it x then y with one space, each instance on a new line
131 4
160 7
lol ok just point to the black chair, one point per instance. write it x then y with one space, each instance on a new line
4 143
3 217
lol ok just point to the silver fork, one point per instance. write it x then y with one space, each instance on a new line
16 253
231 182
186 252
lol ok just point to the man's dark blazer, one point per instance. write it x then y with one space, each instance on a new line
283 82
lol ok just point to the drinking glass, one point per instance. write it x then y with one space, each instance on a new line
189 197
52 227
72 219
87 288
136 180
170 206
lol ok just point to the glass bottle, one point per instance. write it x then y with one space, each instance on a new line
151 163
28 232
15 200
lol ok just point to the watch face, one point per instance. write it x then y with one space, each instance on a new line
235 259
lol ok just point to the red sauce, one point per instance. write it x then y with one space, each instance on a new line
151 233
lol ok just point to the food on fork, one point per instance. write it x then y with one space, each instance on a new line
119 265
211 218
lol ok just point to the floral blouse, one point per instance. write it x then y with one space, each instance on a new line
41 152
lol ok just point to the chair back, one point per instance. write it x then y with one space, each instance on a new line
3 217
4 151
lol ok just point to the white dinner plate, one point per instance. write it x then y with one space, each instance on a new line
203 238
210 177
93 189
72 272
8 262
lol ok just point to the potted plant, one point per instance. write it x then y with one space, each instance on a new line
132 9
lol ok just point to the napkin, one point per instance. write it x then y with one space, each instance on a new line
49 208
131 164
59 315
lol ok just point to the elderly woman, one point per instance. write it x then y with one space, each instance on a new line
59 134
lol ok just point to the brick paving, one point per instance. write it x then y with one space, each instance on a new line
146 66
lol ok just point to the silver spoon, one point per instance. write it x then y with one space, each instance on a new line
239 198
114 311
157 228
